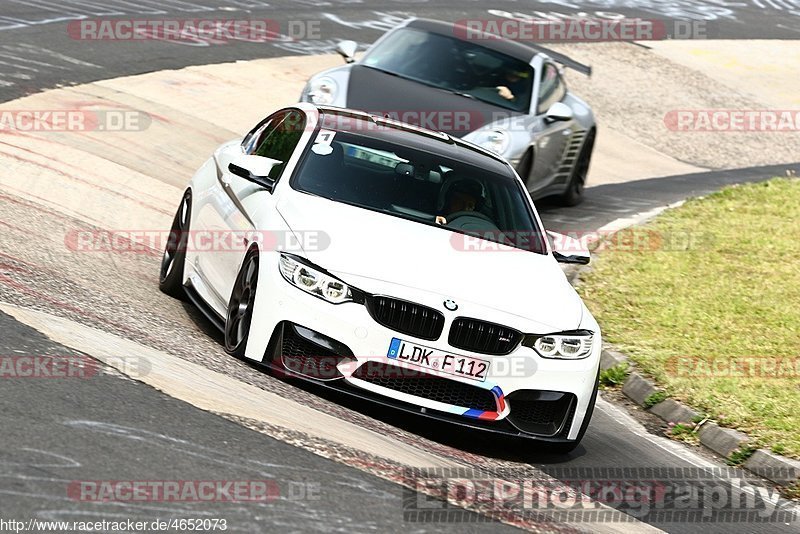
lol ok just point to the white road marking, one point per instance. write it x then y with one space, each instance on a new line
634 220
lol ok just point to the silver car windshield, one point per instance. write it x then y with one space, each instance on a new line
420 186
461 67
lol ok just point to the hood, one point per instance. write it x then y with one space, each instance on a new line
372 246
418 104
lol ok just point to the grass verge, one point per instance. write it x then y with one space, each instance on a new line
614 376
706 300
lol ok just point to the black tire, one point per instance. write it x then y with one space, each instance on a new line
569 446
170 279
577 182
240 306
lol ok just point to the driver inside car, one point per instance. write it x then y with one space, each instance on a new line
514 85
462 195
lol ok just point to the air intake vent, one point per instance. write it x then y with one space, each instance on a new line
427 386
406 317
485 338
544 413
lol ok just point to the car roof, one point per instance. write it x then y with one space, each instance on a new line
416 137
512 49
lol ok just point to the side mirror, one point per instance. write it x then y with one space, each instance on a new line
559 112
255 169
567 249
347 49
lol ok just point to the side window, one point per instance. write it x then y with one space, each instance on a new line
252 137
551 88
278 139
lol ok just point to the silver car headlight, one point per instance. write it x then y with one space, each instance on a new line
322 91
575 345
315 282
496 140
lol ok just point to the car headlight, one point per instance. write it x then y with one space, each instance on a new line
497 141
564 346
322 91
314 281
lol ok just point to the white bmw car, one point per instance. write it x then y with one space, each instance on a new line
398 264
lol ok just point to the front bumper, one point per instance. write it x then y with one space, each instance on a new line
523 394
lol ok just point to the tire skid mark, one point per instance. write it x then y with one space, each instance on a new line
101 142
27 231
70 223
66 215
34 205
82 170
29 265
24 288
188 122
76 178
76 226
32 268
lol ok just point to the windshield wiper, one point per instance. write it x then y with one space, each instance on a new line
457 93
390 73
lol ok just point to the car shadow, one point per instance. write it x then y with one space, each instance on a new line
203 323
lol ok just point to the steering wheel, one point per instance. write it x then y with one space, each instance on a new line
474 68
471 220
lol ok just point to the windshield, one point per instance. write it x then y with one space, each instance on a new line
419 186
461 67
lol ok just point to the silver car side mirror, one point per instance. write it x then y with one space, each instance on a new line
347 49
559 112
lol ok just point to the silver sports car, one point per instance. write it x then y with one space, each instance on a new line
505 96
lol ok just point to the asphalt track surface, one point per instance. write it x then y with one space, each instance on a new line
112 428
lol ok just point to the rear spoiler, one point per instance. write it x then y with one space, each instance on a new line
561 58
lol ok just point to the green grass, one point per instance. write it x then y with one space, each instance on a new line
655 398
685 433
740 456
614 376
725 287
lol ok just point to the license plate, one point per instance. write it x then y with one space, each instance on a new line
437 360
